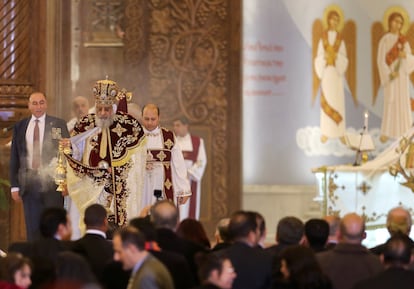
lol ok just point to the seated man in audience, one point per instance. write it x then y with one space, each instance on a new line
164 215
215 271
333 237
396 257
253 266
147 271
94 246
316 233
222 235
55 229
349 262
176 263
398 221
290 231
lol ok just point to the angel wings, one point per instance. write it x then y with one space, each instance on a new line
334 57
334 54
348 35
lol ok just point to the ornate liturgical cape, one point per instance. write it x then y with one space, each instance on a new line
107 166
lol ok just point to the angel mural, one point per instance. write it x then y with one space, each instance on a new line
393 63
334 58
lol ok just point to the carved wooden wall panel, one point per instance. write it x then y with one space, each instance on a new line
96 49
136 22
181 55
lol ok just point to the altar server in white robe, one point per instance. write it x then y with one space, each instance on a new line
166 172
196 160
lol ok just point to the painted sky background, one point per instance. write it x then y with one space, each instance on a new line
281 126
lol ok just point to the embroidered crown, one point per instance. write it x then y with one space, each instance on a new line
105 92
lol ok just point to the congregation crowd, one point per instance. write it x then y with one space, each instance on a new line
156 250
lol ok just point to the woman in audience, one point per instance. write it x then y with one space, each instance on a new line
301 270
15 271
193 230
215 271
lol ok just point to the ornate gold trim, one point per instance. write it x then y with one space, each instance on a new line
403 166
364 188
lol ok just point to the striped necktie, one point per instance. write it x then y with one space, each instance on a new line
36 146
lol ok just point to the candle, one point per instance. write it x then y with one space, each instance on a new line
366 114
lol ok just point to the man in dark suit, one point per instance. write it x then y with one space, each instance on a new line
399 221
176 263
396 257
253 265
165 217
222 235
290 231
94 246
147 271
333 237
35 143
316 233
349 262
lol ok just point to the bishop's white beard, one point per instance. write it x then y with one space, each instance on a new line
104 122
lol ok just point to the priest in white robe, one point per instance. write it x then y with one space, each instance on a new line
194 153
166 172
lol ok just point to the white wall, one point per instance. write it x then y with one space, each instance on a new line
276 202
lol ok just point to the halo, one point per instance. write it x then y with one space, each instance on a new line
399 10
336 8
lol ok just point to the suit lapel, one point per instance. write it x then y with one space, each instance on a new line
22 136
138 275
48 128
49 140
